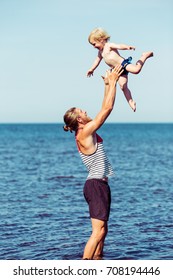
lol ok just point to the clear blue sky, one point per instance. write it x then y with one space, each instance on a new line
45 54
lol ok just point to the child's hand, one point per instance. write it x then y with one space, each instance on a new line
132 48
90 73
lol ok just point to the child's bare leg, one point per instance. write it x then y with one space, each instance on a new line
123 80
135 69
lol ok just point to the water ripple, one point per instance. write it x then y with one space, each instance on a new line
43 212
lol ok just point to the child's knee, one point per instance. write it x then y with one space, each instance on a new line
137 71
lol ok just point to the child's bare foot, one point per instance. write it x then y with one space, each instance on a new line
132 104
148 54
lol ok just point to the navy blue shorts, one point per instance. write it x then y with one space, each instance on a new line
98 196
124 64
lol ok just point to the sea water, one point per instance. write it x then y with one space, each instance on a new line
43 214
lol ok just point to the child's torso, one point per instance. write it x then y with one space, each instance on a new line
111 57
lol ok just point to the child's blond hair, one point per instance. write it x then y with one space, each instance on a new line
98 34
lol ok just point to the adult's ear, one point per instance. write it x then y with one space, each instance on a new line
79 119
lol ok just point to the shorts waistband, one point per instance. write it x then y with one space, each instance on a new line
105 179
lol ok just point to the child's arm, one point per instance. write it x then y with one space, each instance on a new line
95 65
114 46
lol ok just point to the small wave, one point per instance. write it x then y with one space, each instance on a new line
169 226
43 215
25 244
56 178
9 225
43 196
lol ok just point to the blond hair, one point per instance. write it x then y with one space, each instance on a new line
98 34
70 119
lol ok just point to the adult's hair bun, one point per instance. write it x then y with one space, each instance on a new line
65 128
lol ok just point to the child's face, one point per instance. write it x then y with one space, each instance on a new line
98 44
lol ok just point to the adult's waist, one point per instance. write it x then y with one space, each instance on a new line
105 179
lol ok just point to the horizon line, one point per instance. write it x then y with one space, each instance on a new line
44 123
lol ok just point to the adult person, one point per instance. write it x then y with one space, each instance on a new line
90 145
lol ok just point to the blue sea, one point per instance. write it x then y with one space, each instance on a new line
43 214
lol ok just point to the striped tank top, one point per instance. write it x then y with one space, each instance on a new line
97 164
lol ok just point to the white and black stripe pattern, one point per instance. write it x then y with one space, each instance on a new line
97 163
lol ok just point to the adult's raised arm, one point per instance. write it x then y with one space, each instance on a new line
110 80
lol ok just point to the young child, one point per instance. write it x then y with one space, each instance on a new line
99 38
